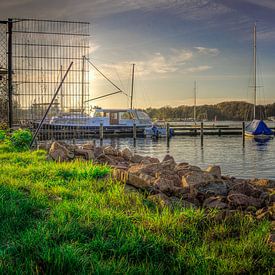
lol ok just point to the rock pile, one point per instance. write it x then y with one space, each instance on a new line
167 182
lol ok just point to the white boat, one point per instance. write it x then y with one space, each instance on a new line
113 120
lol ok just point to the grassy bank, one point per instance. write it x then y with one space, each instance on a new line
68 218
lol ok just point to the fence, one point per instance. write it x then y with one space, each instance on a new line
40 52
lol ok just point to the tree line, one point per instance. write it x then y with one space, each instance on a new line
231 110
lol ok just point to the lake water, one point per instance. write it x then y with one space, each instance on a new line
254 160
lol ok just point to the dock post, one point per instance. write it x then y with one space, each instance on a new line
201 134
243 132
134 131
167 130
101 133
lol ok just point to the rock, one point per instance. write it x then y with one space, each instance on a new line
141 180
215 171
215 202
89 146
246 189
167 185
136 158
168 157
195 178
120 175
60 153
264 183
126 154
88 154
149 160
243 201
213 189
109 150
98 151
151 169
104 159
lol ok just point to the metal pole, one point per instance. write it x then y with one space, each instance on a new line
243 132
10 114
82 86
195 100
134 131
132 90
167 130
50 105
202 134
101 131
255 71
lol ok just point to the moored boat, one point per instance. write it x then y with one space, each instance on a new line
113 120
258 129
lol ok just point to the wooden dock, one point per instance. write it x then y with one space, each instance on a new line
134 132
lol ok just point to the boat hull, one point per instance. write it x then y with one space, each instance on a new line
260 136
49 131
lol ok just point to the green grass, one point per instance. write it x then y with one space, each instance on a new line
61 218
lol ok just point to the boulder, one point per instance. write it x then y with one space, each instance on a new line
168 185
136 158
149 160
60 153
98 151
243 201
246 189
89 146
120 174
215 171
264 183
127 154
195 178
109 150
215 202
87 154
104 159
215 188
142 181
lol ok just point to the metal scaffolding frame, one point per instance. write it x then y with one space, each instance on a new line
35 54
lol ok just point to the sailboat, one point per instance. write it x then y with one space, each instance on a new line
256 128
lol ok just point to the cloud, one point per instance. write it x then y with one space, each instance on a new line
156 63
86 9
268 4
198 69
208 51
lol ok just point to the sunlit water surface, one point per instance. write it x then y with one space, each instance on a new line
255 160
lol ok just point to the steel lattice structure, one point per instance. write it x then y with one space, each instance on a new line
41 51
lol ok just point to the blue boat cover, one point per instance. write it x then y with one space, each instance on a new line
258 127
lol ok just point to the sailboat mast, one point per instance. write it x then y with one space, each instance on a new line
255 71
195 100
132 89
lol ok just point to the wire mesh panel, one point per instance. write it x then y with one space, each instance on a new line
41 52
3 76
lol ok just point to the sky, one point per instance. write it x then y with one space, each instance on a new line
172 44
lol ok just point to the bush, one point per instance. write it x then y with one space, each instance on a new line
20 139
2 135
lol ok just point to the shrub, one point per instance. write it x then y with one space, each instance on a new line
2 135
20 139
